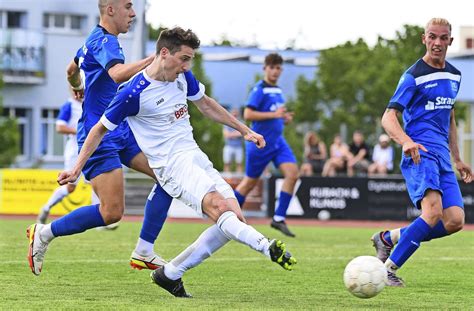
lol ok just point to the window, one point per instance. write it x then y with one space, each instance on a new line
12 19
63 22
52 143
469 43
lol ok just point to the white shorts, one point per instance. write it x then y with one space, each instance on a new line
189 176
233 152
70 155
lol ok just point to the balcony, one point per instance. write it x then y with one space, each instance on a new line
22 56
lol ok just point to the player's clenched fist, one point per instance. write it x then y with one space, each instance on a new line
256 138
66 177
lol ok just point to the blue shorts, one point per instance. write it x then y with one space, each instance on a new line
110 156
433 172
257 159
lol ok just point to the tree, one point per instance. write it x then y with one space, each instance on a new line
9 137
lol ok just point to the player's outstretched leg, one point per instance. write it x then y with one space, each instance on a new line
174 287
279 255
37 248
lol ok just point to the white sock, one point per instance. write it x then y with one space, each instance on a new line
144 248
206 244
243 233
278 218
395 235
46 234
391 266
56 197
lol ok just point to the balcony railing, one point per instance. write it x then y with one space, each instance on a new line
22 56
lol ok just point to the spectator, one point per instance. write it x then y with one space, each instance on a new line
233 149
358 158
315 154
338 156
382 157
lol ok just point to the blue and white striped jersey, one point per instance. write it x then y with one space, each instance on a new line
426 96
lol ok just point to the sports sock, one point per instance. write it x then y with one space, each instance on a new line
438 231
283 204
409 241
156 211
207 244
243 233
144 248
78 221
240 197
57 196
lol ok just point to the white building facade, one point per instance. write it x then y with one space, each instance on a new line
38 39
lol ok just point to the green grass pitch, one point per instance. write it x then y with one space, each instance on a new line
90 271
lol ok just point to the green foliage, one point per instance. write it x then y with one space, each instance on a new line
208 134
90 271
354 83
9 137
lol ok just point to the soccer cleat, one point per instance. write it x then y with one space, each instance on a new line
381 247
37 248
174 287
281 226
110 227
279 255
151 262
42 217
394 280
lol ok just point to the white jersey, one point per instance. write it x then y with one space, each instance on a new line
157 113
69 115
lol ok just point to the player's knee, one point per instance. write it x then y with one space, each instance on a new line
112 213
70 188
454 225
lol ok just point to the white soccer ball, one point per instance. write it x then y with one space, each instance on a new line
365 276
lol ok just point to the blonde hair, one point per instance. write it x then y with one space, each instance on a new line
438 21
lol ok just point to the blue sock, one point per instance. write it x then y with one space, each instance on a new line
283 204
78 221
240 198
156 211
410 241
438 231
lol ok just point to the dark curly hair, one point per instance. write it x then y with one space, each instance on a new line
273 59
174 38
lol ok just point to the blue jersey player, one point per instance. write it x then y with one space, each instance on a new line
425 95
100 62
266 109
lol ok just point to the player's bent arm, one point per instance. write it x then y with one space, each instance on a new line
90 145
122 72
253 115
64 129
393 128
453 138
73 76
211 109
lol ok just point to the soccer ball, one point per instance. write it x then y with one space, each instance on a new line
365 276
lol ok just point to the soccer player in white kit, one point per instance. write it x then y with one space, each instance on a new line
154 103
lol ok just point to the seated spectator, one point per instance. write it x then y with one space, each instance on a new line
358 158
382 157
315 155
338 153
233 148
